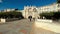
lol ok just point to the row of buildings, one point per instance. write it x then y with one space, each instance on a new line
35 11
9 10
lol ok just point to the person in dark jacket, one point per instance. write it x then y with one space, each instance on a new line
34 19
30 17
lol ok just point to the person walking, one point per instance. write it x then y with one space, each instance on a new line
30 17
34 19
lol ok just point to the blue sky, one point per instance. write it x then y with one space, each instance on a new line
4 4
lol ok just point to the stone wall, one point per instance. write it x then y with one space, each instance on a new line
2 20
12 19
8 20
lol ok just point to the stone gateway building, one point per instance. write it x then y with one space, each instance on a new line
30 11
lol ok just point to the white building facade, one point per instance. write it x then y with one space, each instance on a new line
35 11
48 8
30 11
8 10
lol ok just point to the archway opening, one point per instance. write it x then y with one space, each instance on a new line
29 17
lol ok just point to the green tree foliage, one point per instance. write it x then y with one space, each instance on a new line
11 14
56 15
47 15
50 15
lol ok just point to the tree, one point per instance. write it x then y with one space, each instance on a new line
51 15
47 15
11 14
56 15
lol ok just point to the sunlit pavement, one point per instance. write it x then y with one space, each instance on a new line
41 27
36 30
23 26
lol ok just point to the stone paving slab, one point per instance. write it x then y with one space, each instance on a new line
16 27
36 30
48 26
23 26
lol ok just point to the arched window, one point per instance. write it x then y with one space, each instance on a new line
34 10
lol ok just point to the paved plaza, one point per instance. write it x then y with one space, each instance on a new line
16 27
23 26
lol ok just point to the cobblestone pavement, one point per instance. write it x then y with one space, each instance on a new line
16 27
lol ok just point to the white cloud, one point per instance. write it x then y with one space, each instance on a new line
0 1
